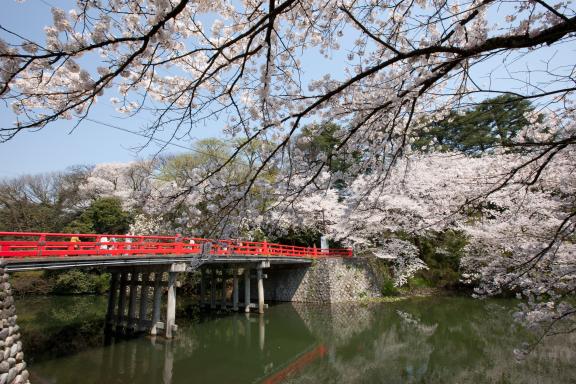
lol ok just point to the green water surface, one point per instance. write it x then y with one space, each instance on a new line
425 340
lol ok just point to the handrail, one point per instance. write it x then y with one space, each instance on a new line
41 244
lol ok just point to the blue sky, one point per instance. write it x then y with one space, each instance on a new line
59 145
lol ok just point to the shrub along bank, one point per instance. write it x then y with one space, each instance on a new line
441 251
67 282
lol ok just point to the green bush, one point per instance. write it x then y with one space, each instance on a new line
101 283
441 251
381 269
388 288
79 282
419 282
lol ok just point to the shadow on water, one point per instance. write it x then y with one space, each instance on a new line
431 340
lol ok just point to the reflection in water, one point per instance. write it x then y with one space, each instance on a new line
435 340
431 340
296 365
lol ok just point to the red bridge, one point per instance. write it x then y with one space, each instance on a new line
32 244
138 264
35 250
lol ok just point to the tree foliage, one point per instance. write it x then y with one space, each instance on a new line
318 143
386 70
493 123
104 215
74 282
442 253
40 203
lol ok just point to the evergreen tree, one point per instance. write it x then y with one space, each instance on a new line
492 123
105 215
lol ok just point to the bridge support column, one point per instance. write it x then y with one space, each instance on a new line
260 289
140 280
156 302
223 294
131 323
235 289
202 287
144 290
170 325
112 298
171 305
121 299
247 289
213 288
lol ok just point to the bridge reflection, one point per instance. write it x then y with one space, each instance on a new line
438 340
211 349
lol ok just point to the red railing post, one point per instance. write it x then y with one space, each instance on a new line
314 251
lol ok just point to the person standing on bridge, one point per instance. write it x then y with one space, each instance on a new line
112 243
128 241
104 242
74 240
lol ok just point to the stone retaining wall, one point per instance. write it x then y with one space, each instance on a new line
12 365
325 281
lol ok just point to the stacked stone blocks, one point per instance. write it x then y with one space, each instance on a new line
12 365
326 281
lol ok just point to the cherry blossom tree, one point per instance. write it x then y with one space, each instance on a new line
172 194
392 68
517 212
187 62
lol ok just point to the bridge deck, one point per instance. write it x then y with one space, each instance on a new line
35 263
27 250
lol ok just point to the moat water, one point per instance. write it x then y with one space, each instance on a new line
421 340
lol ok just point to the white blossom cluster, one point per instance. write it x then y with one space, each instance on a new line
406 263
387 69
245 62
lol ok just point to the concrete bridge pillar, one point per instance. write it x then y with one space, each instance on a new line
114 280
223 292
170 325
247 289
250 271
235 289
202 287
171 305
139 280
144 293
157 301
131 320
213 288
121 299
259 276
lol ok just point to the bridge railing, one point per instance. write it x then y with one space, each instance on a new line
36 244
